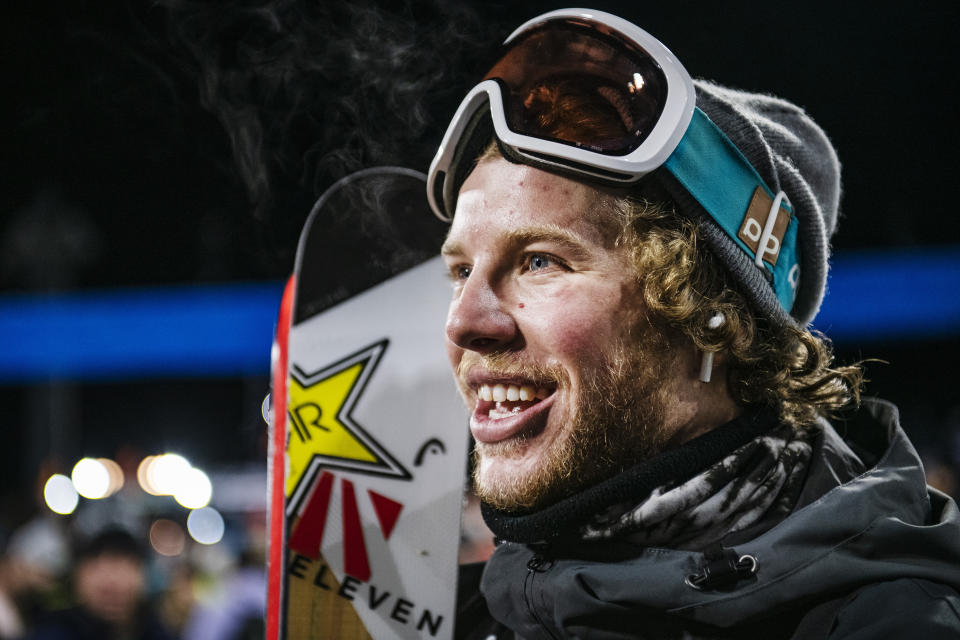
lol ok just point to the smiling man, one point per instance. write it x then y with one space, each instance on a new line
553 348
635 259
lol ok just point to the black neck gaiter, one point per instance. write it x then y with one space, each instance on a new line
721 481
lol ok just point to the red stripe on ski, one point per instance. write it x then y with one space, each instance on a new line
306 539
355 559
388 511
277 463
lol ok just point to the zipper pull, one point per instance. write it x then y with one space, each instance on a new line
540 561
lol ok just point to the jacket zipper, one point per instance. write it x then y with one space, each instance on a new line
536 564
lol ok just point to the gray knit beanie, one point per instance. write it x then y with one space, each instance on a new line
791 153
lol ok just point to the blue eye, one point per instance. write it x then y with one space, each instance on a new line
539 261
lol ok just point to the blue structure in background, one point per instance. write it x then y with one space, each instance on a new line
227 330
223 330
896 295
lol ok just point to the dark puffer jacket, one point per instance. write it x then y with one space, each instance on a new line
868 552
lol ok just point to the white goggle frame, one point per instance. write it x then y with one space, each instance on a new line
651 154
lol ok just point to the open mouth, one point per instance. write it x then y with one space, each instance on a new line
506 409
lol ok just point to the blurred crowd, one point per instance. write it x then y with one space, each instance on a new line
124 568
92 575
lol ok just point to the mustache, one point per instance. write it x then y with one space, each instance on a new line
504 364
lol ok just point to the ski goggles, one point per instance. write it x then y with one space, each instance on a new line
613 68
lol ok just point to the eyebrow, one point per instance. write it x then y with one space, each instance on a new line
522 236
451 248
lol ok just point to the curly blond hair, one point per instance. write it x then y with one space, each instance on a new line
684 285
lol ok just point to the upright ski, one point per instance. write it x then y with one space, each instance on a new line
369 437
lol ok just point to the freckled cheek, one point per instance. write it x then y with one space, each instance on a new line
583 337
572 329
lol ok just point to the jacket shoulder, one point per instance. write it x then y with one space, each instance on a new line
902 608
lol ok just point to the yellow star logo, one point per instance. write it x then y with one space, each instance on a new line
321 431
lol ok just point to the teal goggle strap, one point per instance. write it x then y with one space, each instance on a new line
762 223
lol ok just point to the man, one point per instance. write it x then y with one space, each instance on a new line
635 258
109 584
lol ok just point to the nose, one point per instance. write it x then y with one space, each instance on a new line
477 320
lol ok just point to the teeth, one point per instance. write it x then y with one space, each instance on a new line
500 411
509 393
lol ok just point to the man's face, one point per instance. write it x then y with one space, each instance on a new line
548 337
110 586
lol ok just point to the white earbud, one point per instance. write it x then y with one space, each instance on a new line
706 363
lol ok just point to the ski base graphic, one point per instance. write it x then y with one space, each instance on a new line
369 438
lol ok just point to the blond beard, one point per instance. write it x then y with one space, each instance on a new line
618 421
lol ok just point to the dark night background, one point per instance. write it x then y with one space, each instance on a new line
170 143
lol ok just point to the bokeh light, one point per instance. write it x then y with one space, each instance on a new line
167 537
115 474
91 479
194 489
205 525
143 475
171 474
166 473
60 495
